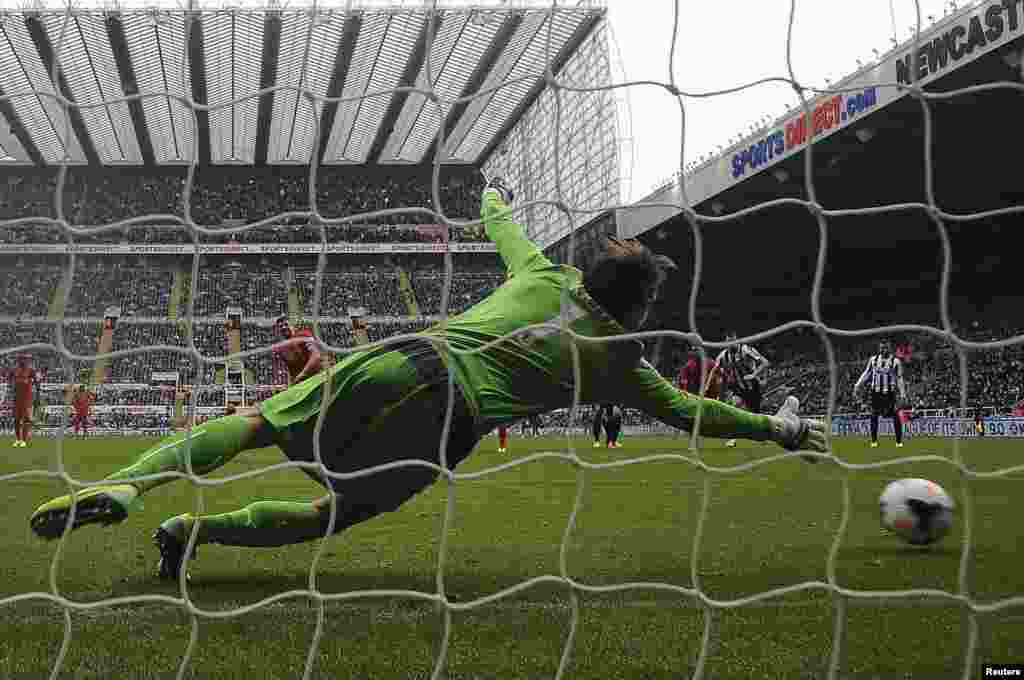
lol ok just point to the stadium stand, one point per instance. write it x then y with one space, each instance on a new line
258 291
27 290
230 197
136 291
466 290
142 289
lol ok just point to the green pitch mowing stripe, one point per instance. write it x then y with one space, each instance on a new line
766 528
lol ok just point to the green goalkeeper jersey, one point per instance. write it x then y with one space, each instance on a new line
532 372
535 370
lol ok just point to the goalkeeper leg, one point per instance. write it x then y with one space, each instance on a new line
208 446
366 425
276 523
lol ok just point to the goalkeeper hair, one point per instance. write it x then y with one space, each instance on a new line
626 279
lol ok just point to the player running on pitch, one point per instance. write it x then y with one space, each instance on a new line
741 365
302 360
389 403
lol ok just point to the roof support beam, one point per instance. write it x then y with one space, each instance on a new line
19 131
342 60
268 78
412 70
581 33
197 66
42 43
119 46
494 51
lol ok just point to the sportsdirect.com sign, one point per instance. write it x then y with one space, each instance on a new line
825 116
1007 427
244 249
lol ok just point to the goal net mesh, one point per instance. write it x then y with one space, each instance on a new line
692 460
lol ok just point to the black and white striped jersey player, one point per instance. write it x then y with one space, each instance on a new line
884 377
741 366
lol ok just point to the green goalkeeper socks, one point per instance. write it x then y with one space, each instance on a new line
266 524
210 446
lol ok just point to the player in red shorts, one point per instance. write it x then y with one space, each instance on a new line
302 359
82 401
24 378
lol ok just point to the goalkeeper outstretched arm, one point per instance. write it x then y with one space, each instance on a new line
645 389
517 251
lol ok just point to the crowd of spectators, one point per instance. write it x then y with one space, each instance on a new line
375 284
373 288
932 372
140 290
257 291
230 197
27 292
136 291
466 289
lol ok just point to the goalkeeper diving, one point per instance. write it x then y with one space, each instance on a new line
389 403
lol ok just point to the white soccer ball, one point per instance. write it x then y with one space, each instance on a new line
917 510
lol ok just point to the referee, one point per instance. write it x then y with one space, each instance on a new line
884 375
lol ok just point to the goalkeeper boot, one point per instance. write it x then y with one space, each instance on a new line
97 505
799 433
171 539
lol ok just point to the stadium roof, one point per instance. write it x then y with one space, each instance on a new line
224 57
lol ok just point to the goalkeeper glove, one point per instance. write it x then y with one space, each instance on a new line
498 184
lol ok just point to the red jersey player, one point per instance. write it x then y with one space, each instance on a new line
82 401
302 359
24 379
689 377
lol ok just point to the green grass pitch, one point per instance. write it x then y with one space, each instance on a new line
766 528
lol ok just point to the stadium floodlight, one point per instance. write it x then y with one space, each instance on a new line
865 134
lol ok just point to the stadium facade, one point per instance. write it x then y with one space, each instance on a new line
872 147
350 85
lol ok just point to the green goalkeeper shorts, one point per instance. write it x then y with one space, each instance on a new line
383 405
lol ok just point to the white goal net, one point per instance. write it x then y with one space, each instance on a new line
692 460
